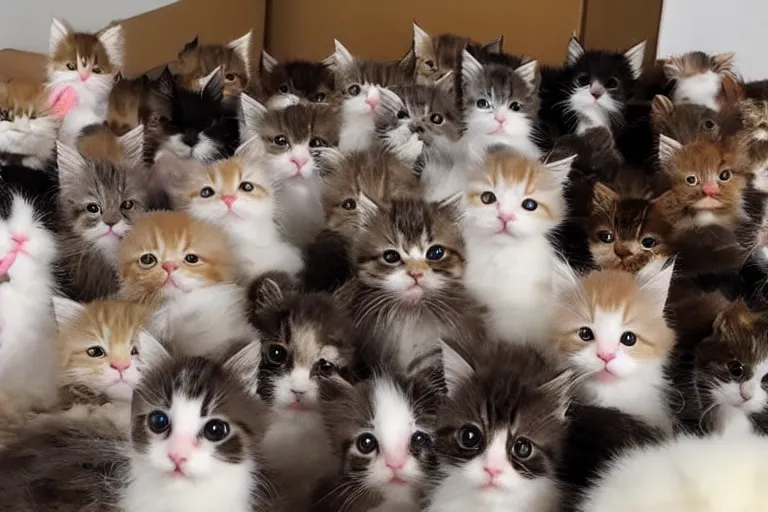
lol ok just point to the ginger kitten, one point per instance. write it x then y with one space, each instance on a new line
285 83
232 60
27 129
697 77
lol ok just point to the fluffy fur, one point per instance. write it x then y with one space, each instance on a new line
687 122
232 60
753 139
285 82
27 129
697 77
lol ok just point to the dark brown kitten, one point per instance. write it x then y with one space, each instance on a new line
687 122
195 61
128 104
311 81
753 138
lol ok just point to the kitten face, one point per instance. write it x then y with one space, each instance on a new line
754 133
411 251
625 234
698 76
27 248
27 132
513 197
169 254
196 61
686 122
414 116
311 81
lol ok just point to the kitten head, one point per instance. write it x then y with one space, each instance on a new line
285 81
100 345
600 83
698 77
304 337
611 324
686 122
625 233
502 429
168 254
413 117
86 62
412 250
233 61
754 132
500 104
27 131
514 197
128 104
101 200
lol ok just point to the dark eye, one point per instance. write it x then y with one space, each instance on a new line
277 354
430 64
483 103
191 258
216 430
522 448
134 351
93 208
725 175
402 114
469 437
436 118
628 339
158 422
95 352
692 179
229 76
147 260
349 204
736 369
97 70
366 443
420 440
583 80
648 242
127 205
207 192
530 205
605 236
317 142
326 367
280 140
391 256
71 66
488 198
353 90
246 186
435 253
611 83
516 106
586 334
283 88
708 125
318 98
764 381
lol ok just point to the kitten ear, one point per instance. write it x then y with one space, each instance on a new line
661 109
603 198
445 82
368 208
562 387
722 62
242 47
655 279
173 173
471 69
252 113
453 206
421 40
151 351
269 289
133 146
59 31
564 278
575 51
668 148
268 62
455 367
495 46
164 85
190 45
673 67
530 73
560 169
341 57
244 366
390 101
213 85
65 310
113 41
70 162
731 92
635 57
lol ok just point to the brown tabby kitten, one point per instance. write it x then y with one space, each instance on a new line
753 138
196 61
686 122
128 104
281 81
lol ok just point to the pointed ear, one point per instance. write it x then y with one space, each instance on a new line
164 86
420 40
565 279
213 85
59 31
603 198
119 77
341 57
453 206
244 366
655 279
268 62
530 73
731 92
190 45
368 207
252 114
575 51
673 67
661 110
70 162
471 69
495 46
562 387
133 146
635 57
269 290
242 47
455 367
151 351
560 169
668 148
66 311
446 82
722 62
112 39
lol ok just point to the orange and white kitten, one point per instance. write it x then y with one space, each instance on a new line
27 130
512 206
184 269
238 196
611 328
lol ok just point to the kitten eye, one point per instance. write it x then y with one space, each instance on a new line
764 381
692 179
628 339
530 205
317 142
391 256
435 253
229 77
216 430
402 114
611 83
708 125
95 352
736 369
522 448
349 204
71 66
586 334
483 103
420 440
366 443
93 208
147 260
516 106
648 242
583 80
246 186
605 236
134 351
206 192
283 88
97 70
488 198
191 258
354 89
325 367
430 64
127 205
277 354
158 422
469 437
318 98
436 119
280 140
725 175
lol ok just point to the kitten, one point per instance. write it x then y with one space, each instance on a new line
408 293
81 72
697 77
27 129
512 206
284 83
753 139
99 203
501 432
625 233
358 84
184 270
195 62
128 104
611 327
686 122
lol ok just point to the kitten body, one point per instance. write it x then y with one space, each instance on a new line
284 83
27 129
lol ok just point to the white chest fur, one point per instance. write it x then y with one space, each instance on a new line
263 251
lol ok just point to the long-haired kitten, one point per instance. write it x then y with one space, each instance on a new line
501 430
686 122
753 139
232 60
27 129
128 104
611 327
697 77
184 269
512 206
81 72
283 83
408 292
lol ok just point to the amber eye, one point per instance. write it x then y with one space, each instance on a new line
71 66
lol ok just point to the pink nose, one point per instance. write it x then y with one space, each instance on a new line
299 162
20 239
500 117
395 464
120 365
417 276
177 458
84 75
372 102
229 200
493 472
507 216
606 357
711 189
170 266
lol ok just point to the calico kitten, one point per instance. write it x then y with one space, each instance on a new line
611 327
99 203
184 269
753 139
697 77
195 62
27 129
285 82
512 206
81 72
408 293
501 431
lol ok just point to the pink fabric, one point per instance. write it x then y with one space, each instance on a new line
61 100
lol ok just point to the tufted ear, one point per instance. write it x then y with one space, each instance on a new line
722 62
662 109
668 148
268 62
561 387
133 146
530 73
151 352
446 82
243 364
268 291
341 57
113 41
59 31
190 45
242 47
655 279
420 39
575 51
495 46
65 310
635 57
603 198
251 115
673 67
213 85
456 368
70 163
560 169
566 281
471 69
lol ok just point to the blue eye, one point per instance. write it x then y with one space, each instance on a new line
436 252
158 422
